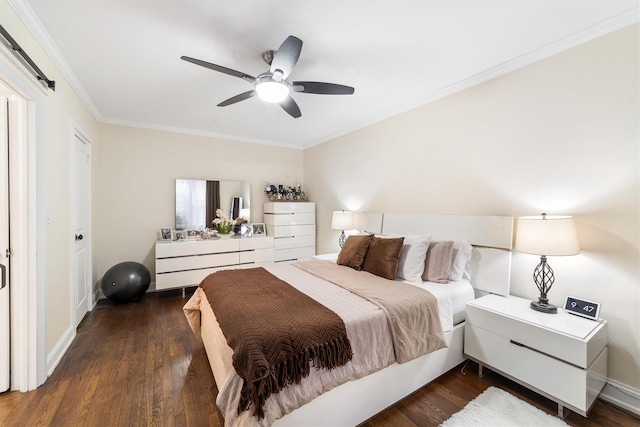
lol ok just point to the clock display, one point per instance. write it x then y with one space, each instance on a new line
580 307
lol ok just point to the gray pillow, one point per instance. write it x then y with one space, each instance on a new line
437 266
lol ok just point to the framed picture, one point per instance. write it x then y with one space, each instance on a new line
165 234
245 230
181 235
192 234
258 229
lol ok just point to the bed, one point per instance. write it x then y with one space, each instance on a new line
346 395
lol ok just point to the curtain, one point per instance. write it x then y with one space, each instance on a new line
213 201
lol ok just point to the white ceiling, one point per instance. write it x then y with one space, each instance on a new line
123 56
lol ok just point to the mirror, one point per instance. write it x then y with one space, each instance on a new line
197 201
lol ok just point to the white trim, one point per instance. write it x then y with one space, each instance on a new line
622 396
609 26
61 347
33 24
77 130
31 21
184 131
28 352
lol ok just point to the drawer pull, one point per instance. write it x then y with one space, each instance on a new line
517 343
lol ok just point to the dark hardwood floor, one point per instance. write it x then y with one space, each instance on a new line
139 364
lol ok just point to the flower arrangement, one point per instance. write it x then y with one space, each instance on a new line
222 223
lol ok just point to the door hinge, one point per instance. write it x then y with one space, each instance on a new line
8 253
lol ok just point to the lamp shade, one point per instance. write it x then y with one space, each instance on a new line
547 235
342 220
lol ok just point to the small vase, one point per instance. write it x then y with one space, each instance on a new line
225 235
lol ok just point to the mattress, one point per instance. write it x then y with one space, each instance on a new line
452 298
365 324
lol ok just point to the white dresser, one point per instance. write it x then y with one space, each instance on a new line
293 225
561 356
186 262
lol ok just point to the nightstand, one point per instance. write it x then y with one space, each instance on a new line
326 257
560 356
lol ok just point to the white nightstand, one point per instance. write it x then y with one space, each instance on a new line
326 257
561 356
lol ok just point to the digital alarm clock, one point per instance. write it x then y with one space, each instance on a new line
583 308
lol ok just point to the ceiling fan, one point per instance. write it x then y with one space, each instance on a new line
272 86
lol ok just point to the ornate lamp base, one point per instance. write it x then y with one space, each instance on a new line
342 239
544 307
544 278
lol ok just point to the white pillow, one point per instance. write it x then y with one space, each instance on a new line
462 255
412 257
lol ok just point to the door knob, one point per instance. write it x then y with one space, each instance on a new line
79 237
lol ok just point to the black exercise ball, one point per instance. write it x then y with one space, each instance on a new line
126 281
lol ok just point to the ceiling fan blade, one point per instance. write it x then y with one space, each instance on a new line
287 56
290 106
220 69
241 97
322 88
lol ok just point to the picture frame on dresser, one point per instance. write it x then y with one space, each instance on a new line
258 229
165 234
192 234
180 235
246 230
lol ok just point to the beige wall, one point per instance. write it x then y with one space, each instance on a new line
559 136
134 174
58 110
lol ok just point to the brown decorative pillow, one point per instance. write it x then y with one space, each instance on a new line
438 262
354 251
382 257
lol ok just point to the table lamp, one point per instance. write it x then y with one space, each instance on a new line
342 220
546 236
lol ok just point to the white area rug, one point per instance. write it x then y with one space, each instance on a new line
495 407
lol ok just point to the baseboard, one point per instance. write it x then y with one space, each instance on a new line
96 296
622 396
54 357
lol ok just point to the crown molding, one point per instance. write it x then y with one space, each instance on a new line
616 23
31 21
196 132
33 24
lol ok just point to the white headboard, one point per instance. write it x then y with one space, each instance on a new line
491 237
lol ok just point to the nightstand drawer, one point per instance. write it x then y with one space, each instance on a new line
564 381
486 347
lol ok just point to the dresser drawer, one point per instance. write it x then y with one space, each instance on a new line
196 247
257 256
290 219
182 279
289 207
294 254
258 242
195 262
295 242
291 230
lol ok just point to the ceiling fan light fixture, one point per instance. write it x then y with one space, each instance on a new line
272 91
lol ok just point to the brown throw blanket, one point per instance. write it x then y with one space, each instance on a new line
275 331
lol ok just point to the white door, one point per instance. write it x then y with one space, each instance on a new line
4 245
81 200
